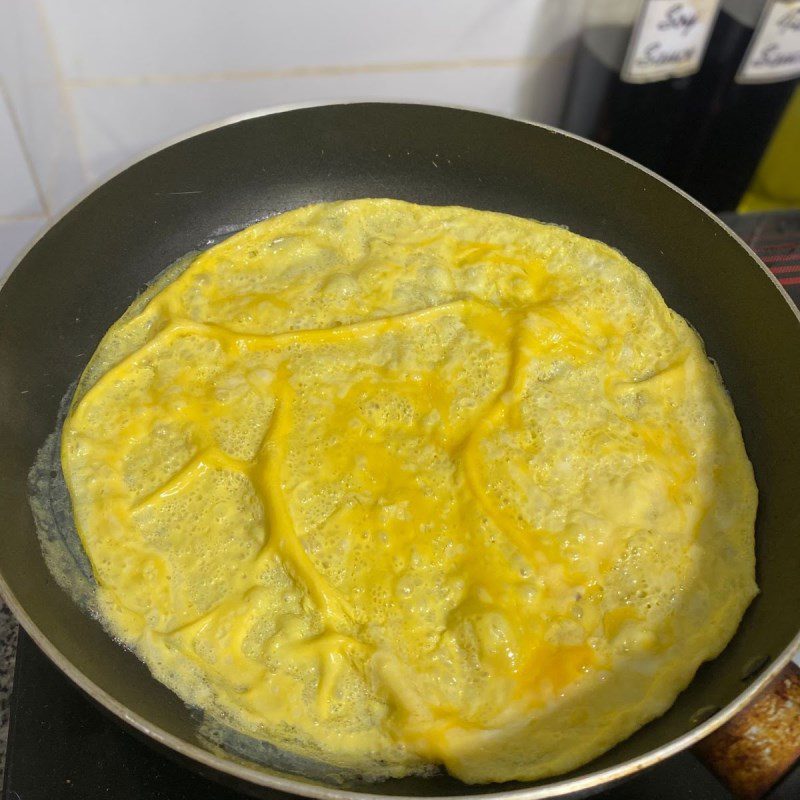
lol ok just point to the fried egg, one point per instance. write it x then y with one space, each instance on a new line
398 487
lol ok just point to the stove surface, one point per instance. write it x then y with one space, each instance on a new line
62 745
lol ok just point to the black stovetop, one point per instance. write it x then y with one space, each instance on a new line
61 745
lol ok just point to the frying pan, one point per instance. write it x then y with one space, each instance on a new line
83 273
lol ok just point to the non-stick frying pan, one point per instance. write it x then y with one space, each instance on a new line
83 273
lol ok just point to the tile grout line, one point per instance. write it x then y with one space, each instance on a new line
6 219
303 72
63 89
35 180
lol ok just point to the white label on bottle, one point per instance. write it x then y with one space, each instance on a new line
669 39
774 51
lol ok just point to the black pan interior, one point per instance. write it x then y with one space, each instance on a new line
80 277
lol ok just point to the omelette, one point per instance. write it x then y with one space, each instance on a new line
398 487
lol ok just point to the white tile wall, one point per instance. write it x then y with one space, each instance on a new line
93 83
39 100
119 39
16 236
18 196
123 121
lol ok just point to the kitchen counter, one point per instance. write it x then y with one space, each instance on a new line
8 651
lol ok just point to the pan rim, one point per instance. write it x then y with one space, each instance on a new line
299 786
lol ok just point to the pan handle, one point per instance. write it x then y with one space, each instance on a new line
753 750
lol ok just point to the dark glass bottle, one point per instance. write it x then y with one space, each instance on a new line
704 128
727 122
636 119
636 113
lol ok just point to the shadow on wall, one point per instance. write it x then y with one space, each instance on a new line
542 92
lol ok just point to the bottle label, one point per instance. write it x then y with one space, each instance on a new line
669 39
774 51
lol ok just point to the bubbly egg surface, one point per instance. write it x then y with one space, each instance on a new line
396 486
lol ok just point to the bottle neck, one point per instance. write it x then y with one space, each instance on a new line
745 12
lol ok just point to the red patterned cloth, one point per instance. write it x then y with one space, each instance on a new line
775 237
